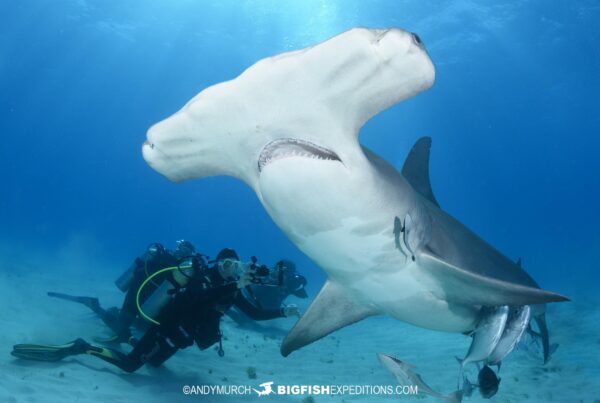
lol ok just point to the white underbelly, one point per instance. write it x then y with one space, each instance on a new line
379 275
407 295
352 239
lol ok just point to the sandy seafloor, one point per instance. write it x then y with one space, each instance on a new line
345 358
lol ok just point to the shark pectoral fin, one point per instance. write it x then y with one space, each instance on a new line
416 169
332 309
470 288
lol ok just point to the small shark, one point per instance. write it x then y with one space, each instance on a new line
289 128
404 374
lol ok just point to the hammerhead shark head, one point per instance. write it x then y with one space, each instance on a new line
288 127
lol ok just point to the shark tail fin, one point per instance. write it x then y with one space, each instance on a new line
551 350
532 332
544 334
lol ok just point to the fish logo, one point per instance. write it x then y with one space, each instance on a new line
267 389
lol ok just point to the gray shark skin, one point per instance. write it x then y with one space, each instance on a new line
288 127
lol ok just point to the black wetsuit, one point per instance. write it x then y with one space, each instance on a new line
266 296
193 315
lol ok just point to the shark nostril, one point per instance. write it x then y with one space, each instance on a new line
417 40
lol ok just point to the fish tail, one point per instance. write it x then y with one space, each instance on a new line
454 397
460 371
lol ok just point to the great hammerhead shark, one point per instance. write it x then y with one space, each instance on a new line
288 127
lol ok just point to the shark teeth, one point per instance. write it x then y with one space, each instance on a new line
290 147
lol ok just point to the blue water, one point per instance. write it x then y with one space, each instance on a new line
514 116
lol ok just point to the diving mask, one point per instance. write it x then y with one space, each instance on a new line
231 267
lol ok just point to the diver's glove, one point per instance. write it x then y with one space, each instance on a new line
290 310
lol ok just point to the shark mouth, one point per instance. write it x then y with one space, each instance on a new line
286 148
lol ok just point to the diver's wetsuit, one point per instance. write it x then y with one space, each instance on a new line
192 315
266 296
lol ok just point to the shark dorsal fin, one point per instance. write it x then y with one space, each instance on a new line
416 168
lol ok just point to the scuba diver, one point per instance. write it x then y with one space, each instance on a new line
282 281
196 297
155 258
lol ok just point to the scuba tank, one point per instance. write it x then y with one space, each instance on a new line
179 278
124 281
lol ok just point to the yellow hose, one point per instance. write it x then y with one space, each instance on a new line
149 278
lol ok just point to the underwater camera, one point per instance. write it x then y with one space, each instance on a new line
260 274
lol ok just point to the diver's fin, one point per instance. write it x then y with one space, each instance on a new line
416 168
41 352
111 316
331 310
475 289
109 339
90 302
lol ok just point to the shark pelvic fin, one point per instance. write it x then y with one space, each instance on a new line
331 310
416 169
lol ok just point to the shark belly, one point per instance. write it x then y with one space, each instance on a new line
387 280
346 227
410 296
